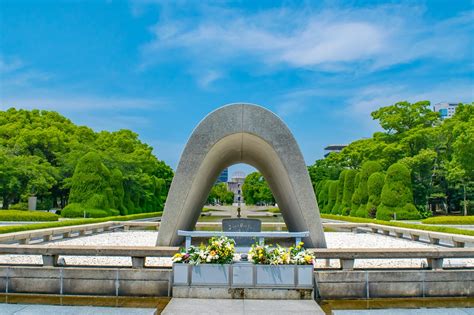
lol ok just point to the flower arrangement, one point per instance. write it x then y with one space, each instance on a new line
220 250
267 255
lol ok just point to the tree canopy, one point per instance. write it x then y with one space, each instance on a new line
45 154
439 155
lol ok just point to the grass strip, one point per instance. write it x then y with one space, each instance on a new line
442 229
467 220
29 227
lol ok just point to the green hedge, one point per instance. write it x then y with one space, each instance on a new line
450 220
332 195
441 229
24 215
340 192
76 210
348 191
28 227
396 201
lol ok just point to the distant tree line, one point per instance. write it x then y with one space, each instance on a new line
255 190
44 154
220 194
418 165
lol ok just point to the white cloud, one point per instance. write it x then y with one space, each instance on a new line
369 99
207 78
330 40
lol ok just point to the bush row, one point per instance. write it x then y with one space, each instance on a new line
450 220
24 215
369 193
441 229
28 227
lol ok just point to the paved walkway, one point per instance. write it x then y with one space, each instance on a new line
404 311
240 307
35 309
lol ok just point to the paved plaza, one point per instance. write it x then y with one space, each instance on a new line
240 307
35 309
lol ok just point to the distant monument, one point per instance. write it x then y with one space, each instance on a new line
241 133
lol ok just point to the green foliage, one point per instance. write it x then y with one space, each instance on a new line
455 220
77 210
38 226
361 193
340 193
404 116
39 152
439 155
323 194
18 215
356 196
397 196
220 194
374 190
348 191
441 229
332 194
19 206
256 190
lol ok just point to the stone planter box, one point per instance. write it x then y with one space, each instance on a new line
244 275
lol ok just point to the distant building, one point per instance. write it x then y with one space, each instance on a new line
224 176
445 109
334 148
235 185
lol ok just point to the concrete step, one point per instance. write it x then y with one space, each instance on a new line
240 307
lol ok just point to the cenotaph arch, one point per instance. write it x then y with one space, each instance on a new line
241 133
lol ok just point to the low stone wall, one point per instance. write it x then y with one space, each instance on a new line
86 281
366 284
331 284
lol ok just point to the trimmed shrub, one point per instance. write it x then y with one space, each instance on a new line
397 195
116 183
374 189
355 200
19 215
90 181
340 190
332 194
361 194
323 194
348 191
76 210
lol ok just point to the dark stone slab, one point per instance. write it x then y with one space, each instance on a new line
242 225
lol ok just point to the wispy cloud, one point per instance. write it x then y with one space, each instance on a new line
332 40
372 97
207 78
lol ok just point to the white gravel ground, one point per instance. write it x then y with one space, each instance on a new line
148 238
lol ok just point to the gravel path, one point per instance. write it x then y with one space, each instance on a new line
148 238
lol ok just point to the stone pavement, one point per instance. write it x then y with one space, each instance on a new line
35 309
404 311
240 307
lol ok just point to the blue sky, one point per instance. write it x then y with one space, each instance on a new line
158 67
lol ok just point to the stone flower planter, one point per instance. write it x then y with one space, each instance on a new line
244 275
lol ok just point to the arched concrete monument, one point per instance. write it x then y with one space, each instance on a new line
241 133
